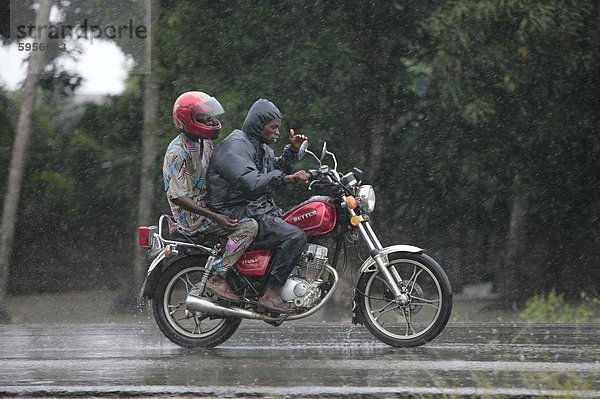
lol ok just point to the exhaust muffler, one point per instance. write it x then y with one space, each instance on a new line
198 304
204 305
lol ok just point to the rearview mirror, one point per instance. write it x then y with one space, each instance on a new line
302 149
324 150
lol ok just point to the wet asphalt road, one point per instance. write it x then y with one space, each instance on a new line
301 359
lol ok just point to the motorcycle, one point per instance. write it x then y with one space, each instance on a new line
401 295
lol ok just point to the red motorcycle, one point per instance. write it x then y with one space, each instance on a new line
402 296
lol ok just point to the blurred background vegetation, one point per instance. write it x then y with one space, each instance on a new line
477 121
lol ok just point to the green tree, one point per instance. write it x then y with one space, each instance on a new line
79 196
19 152
523 75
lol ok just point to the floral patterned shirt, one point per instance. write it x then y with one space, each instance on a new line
184 175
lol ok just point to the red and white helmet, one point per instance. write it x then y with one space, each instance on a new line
195 113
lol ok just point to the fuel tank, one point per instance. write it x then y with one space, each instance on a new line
316 216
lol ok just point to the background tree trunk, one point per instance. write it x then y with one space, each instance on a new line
19 151
509 278
148 164
383 129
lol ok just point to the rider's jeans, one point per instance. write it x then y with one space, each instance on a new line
287 240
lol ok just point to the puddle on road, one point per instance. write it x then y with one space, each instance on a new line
321 356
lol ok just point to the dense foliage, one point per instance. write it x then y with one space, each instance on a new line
453 109
555 309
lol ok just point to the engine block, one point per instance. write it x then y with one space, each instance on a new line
302 287
312 263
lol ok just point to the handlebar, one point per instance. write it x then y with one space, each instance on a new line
330 176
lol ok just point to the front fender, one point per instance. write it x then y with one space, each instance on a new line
386 251
370 266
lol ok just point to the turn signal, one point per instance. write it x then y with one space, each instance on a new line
170 250
355 221
351 202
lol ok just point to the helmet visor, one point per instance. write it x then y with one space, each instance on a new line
207 108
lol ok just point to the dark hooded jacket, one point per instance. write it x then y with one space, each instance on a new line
243 171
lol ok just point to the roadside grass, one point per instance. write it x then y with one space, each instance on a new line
553 307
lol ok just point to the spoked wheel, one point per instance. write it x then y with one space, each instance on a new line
186 328
416 318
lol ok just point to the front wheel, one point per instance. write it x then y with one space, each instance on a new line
423 312
186 328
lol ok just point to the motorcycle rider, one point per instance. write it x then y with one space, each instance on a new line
242 174
184 173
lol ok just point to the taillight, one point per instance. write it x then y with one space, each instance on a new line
144 236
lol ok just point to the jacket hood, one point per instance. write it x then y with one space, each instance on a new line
262 112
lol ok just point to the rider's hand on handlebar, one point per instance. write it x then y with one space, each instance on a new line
299 177
296 140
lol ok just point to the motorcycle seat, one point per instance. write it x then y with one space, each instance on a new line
207 240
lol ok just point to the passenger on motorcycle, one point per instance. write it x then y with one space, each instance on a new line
242 174
184 173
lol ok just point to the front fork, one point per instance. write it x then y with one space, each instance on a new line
392 277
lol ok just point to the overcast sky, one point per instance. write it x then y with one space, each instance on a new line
102 66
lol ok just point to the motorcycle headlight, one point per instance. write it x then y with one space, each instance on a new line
366 194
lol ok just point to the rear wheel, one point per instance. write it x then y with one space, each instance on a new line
420 316
187 328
